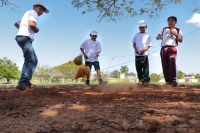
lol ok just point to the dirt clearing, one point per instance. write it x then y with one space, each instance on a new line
115 108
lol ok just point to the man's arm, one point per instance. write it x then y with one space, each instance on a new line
178 37
159 37
31 23
16 25
82 50
98 53
136 50
145 49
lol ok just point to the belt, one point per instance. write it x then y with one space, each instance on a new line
167 46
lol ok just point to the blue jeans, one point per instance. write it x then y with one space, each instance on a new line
30 58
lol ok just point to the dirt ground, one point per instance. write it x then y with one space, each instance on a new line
111 108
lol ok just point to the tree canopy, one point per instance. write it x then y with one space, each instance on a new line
124 69
155 77
117 9
114 10
180 75
8 69
68 69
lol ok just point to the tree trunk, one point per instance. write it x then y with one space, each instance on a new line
8 80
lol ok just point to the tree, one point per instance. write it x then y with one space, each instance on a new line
114 74
8 69
117 9
131 74
9 3
96 79
124 69
180 75
46 72
155 77
197 76
68 69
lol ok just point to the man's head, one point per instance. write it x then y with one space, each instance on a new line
142 26
39 7
172 21
93 35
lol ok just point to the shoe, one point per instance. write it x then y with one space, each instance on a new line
140 83
87 82
30 85
101 82
146 83
24 88
168 83
174 84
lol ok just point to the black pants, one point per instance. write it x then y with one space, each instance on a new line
142 68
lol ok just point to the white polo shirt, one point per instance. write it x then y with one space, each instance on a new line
24 29
142 40
169 39
91 48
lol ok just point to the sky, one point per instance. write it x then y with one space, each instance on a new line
64 29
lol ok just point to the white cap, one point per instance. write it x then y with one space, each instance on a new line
42 4
142 23
94 32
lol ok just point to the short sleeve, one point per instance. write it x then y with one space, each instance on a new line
99 47
180 33
160 33
33 16
134 39
149 41
83 45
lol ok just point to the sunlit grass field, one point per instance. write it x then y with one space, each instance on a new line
113 81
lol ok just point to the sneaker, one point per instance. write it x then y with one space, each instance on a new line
23 87
174 84
146 83
101 82
140 83
87 82
30 85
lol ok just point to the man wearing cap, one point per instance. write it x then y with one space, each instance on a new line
141 44
91 49
25 36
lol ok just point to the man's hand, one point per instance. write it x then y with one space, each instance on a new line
173 32
86 57
33 26
97 54
35 29
137 51
159 37
142 52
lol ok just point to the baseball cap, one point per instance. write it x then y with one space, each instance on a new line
94 32
142 23
42 4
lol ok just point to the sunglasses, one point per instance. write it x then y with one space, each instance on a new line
141 27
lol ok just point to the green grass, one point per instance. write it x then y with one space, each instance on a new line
114 81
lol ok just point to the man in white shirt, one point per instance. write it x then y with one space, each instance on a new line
25 36
141 44
170 37
91 49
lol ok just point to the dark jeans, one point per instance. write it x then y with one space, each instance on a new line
142 68
30 58
168 59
